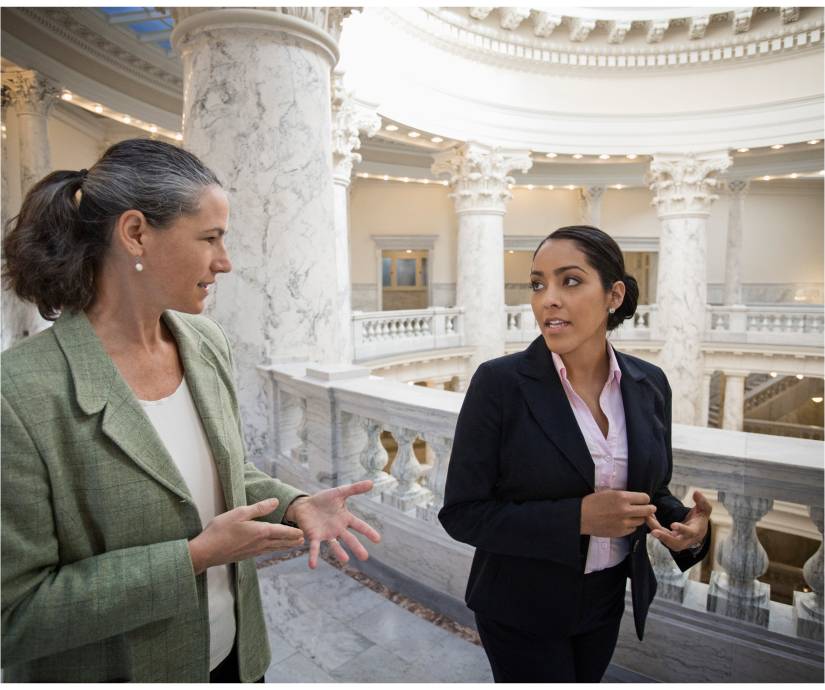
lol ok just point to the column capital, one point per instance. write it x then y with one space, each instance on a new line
736 187
684 184
320 26
479 175
349 121
29 92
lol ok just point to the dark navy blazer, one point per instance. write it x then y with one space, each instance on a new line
518 472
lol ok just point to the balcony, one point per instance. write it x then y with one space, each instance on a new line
327 427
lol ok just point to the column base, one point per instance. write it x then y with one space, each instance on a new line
428 513
381 482
752 606
807 616
409 501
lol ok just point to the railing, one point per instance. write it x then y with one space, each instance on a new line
379 334
762 426
386 333
329 432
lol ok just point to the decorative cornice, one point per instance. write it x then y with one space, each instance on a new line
684 185
737 187
479 175
30 92
348 122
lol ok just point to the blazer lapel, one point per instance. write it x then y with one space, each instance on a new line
201 372
542 389
637 397
100 387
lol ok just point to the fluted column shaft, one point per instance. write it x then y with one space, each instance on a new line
733 256
479 176
683 188
257 110
733 410
348 123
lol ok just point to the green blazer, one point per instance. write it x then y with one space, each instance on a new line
97 583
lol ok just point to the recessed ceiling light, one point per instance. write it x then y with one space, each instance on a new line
604 156
631 156
743 150
577 156
767 178
436 140
794 175
772 374
405 179
425 181
813 141
552 155
127 119
179 136
391 128
530 186
408 251
618 186
153 129
67 96
445 182
571 186
800 376
386 178
778 146
98 109
510 251
822 172
550 187
817 399
413 135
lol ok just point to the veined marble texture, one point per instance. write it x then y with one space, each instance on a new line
682 298
257 110
480 285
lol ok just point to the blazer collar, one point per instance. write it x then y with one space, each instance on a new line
100 387
547 401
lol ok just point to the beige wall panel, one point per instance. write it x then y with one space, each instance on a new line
628 213
540 211
72 149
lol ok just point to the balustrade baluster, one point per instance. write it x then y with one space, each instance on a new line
300 452
807 606
374 457
440 449
407 493
737 593
672 582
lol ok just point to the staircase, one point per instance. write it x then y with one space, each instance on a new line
760 389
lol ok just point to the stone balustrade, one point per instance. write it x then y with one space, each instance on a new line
383 333
777 325
332 425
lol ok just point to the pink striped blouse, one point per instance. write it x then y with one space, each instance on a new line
609 454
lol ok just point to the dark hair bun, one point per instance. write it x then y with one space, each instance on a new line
627 308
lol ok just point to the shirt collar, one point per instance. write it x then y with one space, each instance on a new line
615 372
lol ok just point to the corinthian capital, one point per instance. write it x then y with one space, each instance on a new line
349 121
30 92
736 187
479 175
684 184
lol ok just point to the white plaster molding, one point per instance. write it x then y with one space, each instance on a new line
416 242
544 23
31 93
511 17
656 30
698 26
480 13
789 14
684 185
742 20
617 30
349 121
580 29
479 175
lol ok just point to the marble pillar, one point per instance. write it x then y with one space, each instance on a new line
256 109
32 96
591 205
733 255
733 409
704 408
479 178
348 122
683 188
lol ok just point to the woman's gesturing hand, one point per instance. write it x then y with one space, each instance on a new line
688 533
324 517
612 513
235 535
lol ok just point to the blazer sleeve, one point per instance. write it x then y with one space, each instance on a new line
258 485
473 513
670 509
49 607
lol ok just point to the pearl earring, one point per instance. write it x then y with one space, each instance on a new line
138 264
611 310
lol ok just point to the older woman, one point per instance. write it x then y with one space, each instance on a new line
560 468
130 518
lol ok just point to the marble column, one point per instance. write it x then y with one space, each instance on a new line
733 255
591 205
480 189
704 408
256 109
32 96
733 409
683 188
348 122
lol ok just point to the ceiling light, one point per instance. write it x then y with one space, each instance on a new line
436 140
773 374
426 181
153 129
813 141
510 251
571 187
817 399
604 156
413 135
530 186
800 376
777 146
552 155
445 182
822 172
618 186
631 156
577 156
550 187
744 150
127 119
386 178
794 175
67 96
767 178
408 251
179 136
98 109
391 128
405 179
